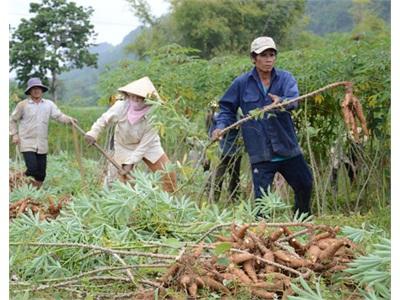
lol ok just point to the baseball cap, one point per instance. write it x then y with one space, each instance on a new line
262 43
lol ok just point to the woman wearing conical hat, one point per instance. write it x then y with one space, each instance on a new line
135 139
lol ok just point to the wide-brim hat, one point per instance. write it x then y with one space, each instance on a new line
261 44
142 87
33 82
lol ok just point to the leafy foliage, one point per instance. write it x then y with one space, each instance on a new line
361 234
305 292
15 94
270 205
373 271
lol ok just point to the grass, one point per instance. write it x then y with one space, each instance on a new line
378 217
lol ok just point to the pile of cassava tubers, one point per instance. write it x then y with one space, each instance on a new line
258 259
16 179
50 211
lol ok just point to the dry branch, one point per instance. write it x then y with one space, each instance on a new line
283 104
94 247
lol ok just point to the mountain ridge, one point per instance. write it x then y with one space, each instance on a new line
79 85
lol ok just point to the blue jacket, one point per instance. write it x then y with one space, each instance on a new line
273 135
229 143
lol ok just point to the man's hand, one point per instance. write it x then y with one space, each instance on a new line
216 134
275 99
15 139
125 170
72 120
89 139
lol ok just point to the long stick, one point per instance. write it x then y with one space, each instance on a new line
109 158
249 117
282 104
124 264
313 164
102 269
78 154
94 247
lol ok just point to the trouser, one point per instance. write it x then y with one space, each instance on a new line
230 164
35 164
295 171
168 179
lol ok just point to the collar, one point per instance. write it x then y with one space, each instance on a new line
31 101
255 75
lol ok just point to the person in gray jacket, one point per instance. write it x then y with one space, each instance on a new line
29 126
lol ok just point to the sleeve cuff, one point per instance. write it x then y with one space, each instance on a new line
92 134
135 159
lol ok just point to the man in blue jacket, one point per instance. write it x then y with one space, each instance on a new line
271 141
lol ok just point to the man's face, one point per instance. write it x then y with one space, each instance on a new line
265 60
36 92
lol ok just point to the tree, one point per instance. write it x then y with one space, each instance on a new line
219 26
55 40
141 9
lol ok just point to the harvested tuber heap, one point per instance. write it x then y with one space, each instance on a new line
263 264
46 212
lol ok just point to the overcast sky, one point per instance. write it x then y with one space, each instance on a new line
112 20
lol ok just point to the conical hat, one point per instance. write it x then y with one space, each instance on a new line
142 87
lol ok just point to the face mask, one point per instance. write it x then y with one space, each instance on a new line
136 111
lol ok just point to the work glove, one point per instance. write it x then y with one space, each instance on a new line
89 139
15 139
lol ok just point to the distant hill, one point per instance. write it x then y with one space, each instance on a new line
79 85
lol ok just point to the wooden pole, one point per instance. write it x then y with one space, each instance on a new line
78 154
102 151
281 105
